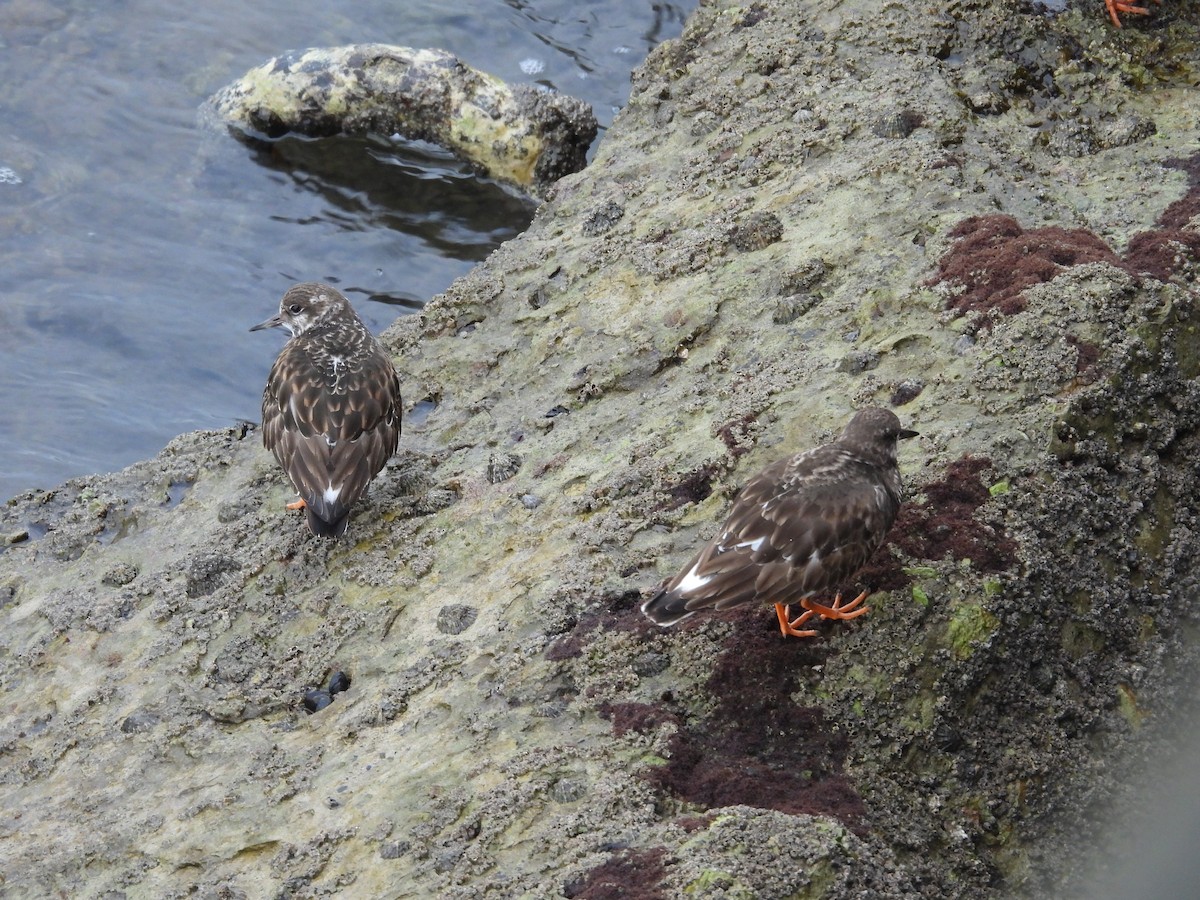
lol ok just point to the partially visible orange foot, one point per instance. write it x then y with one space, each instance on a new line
1121 6
838 610
790 628
298 504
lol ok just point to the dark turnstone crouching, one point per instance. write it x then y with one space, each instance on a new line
800 527
331 408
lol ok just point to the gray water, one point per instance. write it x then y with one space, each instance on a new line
137 247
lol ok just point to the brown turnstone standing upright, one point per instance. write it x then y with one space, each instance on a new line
331 408
800 527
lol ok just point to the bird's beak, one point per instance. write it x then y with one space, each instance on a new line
904 432
274 322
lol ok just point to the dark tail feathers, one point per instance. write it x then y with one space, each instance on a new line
665 608
322 528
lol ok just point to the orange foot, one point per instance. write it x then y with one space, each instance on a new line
298 504
837 610
790 627
1121 6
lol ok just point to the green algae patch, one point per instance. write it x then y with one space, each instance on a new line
1128 707
970 625
919 571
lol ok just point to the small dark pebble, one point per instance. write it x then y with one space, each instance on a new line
455 618
556 411
139 721
315 701
907 391
339 681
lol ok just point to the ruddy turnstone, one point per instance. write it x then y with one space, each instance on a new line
331 407
800 527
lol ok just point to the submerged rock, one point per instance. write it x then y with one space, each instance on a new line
520 135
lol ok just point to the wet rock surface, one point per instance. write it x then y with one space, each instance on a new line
521 135
754 218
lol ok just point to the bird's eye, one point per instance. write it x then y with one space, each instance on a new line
295 308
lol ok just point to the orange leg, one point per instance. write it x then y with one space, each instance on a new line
788 627
1122 6
298 504
838 610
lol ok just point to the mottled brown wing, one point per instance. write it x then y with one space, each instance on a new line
331 438
363 395
800 527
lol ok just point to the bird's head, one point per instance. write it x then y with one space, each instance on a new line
307 305
873 433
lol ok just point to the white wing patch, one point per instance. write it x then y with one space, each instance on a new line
691 581
753 545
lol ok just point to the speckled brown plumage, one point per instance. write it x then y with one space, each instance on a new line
800 527
331 407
